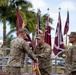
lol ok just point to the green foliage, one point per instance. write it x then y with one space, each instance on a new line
1 52
3 3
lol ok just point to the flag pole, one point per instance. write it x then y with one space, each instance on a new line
67 21
65 53
48 10
66 37
66 26
59 26
66 40
56 57
38 19
36 67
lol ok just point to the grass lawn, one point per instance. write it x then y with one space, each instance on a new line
60 70
29 69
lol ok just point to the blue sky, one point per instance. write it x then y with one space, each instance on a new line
53 5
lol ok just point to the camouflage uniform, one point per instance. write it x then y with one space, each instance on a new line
44 58
70 65
18 50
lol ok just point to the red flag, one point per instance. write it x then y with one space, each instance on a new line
38 27
29 42
19 20
58 43
47 31
21 25
66 28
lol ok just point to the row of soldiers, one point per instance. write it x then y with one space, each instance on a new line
40 55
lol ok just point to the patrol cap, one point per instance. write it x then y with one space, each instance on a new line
72 34
23 30
40 36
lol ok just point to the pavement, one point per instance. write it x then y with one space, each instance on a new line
5 73
58 74
34 74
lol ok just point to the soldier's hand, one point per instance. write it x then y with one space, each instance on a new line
38 55
35 60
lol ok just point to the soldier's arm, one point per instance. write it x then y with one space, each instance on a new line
46 53
69 56
34 51
28 51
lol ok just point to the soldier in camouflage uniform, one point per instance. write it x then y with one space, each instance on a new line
71 56
19 48
43 53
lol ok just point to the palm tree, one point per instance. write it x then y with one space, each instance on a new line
3 13
27 15
7 13
43 21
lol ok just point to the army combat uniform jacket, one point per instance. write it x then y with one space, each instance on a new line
70 65
18 50
44 55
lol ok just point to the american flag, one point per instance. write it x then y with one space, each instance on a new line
19 20
38 27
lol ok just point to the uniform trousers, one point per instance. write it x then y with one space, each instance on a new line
14 70
46 71
73 73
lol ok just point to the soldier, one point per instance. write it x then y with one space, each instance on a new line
19 48
71 56
43 53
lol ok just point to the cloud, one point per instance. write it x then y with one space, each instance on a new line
68 5
43 7
41 4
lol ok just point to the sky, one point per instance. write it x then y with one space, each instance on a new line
54 5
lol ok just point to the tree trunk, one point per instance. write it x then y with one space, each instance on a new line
4 32
4 45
